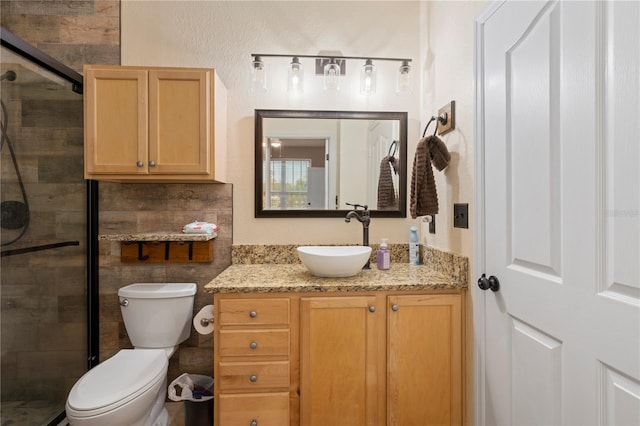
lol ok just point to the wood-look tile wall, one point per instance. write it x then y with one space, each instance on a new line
143 207
88 31
43 293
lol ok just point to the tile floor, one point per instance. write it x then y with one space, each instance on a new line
38 413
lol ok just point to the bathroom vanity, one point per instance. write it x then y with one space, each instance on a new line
381 347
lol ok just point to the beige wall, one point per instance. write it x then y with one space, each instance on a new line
224 34
438 36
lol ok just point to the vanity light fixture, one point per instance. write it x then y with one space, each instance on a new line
368 77
258 75
403 83
296 76
332 68
332 75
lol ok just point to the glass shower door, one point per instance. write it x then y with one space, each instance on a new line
43 275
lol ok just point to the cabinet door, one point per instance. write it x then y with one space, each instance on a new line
424 382
115 121
338 360
179 125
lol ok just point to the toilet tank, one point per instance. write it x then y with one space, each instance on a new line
157 315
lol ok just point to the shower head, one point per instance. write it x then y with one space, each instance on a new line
9 75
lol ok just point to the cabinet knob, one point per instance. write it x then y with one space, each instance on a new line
394 307
372 308
253 378
139 164
253 314
253 423
152 163
253 345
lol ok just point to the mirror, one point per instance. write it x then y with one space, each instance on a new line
311 163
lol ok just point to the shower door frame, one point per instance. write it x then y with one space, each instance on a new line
30 53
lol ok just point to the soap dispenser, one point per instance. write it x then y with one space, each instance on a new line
383 256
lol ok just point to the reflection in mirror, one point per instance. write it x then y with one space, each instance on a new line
311 163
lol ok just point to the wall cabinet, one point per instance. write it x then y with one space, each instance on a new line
154 124
384 358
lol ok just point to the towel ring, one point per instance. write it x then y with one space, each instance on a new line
394 147
441 119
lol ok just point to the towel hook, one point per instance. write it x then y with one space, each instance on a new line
441 119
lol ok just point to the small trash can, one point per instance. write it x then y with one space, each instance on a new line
197 393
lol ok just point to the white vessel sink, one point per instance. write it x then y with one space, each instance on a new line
334 261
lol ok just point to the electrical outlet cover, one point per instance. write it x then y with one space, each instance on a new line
461 215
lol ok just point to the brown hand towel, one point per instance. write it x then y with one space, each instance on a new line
424 198
386 193
439 153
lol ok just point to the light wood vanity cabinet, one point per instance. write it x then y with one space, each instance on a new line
154 124
383 358
252 367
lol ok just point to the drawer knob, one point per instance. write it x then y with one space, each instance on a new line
394 307
253 378
253 314
254 422
372 308
152 163
139 164
253 345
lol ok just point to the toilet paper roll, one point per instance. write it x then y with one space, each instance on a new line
206 326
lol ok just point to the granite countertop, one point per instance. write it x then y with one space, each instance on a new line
157 236
278 278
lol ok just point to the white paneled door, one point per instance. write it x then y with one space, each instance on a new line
558 213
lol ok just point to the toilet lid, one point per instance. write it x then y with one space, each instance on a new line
121 377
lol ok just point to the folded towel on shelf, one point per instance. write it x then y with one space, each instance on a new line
386 192
424 196
200 228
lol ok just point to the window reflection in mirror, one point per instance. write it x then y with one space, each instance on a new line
311 163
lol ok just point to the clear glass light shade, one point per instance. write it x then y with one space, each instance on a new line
403 83
332 76
258 76
295 82
368 78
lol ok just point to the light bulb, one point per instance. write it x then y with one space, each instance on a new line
368 77
332 75
258 75
403 84
296 77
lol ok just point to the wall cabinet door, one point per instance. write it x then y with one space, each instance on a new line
154 124
116 115
339 359
179 136
424 381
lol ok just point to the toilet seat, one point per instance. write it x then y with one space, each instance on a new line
117 381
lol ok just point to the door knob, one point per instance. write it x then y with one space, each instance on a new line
489 283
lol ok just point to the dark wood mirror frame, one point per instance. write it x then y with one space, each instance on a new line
261 114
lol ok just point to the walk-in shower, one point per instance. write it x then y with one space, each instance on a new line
46 269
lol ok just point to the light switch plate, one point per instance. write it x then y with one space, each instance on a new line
450 110
461 215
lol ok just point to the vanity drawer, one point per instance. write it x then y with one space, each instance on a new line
266 409
253 342
253 376
254 311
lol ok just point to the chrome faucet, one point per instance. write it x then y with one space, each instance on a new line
365 219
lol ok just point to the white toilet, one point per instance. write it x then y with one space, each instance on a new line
129 389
